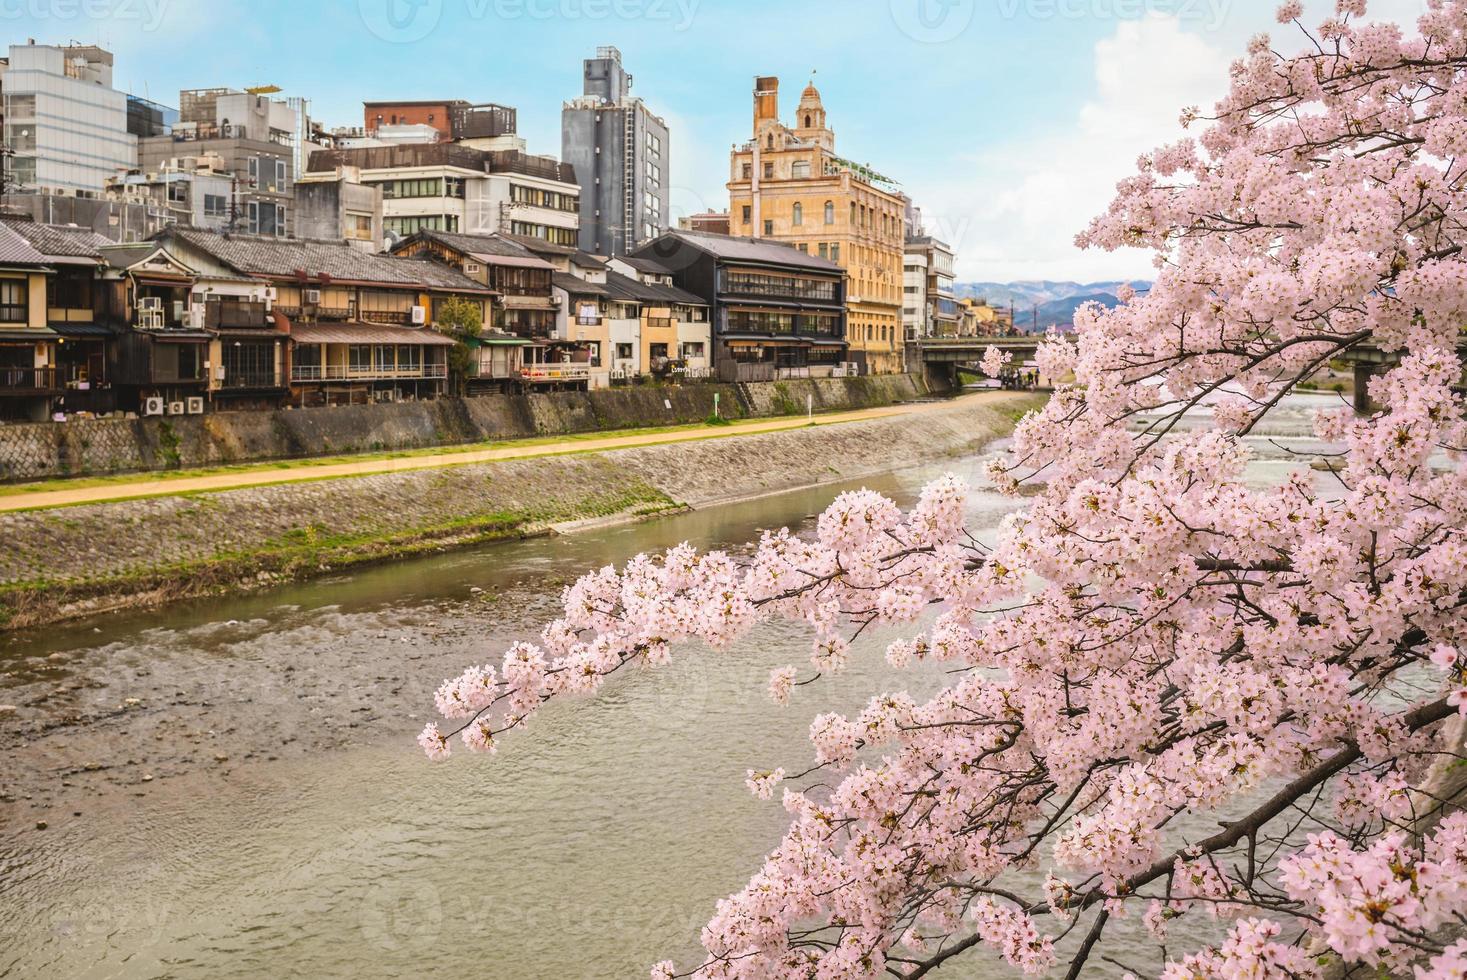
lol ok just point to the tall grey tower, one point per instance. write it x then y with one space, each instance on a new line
620 153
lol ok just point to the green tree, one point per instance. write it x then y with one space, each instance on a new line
463 320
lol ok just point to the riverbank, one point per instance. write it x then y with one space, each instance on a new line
89 559
159 444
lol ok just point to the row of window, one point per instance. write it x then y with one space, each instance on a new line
541 198
758 321
862 218
408 224
549 233
422 187
760 284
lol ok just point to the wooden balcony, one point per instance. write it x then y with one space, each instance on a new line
28 380
554 373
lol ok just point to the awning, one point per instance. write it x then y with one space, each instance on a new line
366 333
528 303
512 261
177 336
156 279
85 331
35 335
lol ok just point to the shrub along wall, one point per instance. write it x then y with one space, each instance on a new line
39 450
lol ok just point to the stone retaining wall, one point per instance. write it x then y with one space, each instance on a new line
79 560
41 450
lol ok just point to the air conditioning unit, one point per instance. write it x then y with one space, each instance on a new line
194 318
152 406
313 297
195 405
420 315
150 303
176 408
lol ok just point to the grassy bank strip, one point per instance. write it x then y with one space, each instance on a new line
726 426
302 553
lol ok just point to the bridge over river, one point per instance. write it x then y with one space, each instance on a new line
941 357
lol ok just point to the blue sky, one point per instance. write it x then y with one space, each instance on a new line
1009 121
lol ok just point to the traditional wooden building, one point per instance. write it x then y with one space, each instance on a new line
776 312
358 325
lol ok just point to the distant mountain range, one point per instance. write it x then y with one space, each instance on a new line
1044 303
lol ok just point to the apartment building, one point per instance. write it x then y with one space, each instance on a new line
65 126
622 152
453 188
255 138
943 317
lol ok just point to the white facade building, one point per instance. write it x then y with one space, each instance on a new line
914 295
65 125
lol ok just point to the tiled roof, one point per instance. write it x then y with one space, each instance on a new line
733 248
57 241
285 258
477 244
577 286
15 250
541 247
588 261
624 287
643 265
366 333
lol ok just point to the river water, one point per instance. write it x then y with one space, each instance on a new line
231 788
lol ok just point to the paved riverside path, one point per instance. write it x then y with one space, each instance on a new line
252 476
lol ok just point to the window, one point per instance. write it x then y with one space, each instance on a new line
824 251
807 120
748 212
853 214
829 214
835 251
177 192
771 141
768 171
623 352
692 349
748 170
69 292
768 227
14 303
799 169
358 228
359 357
253 166
799 214
216 206
282 183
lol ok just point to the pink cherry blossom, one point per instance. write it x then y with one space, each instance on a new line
1167 691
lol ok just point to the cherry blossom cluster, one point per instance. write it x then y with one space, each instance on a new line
1153 643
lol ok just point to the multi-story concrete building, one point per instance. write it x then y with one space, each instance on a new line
621 151
194 191
336 204
788 185
942 314
914 295
454 188
256 138
66 127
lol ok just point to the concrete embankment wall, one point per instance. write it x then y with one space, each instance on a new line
82 560
89 447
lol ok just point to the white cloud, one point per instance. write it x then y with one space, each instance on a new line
1015 207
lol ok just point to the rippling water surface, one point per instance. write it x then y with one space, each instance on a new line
593 845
